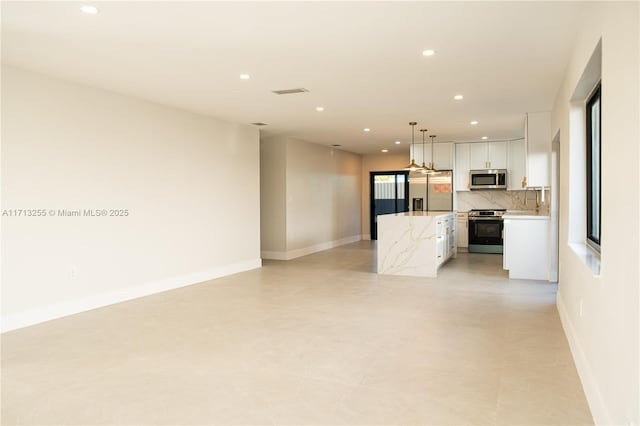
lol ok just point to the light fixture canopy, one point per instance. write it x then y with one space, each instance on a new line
428 52
458 97
412 165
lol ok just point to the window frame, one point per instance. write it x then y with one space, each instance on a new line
595 96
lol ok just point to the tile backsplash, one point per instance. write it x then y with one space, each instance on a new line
510 200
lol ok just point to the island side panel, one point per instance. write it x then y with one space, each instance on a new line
407 245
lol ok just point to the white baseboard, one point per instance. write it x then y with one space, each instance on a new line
292 254
274 255
594 397
59 310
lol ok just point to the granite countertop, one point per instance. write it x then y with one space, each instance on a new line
525 214
420 214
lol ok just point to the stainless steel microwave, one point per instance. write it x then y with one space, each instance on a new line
488 179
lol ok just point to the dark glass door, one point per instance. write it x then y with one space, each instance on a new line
389 194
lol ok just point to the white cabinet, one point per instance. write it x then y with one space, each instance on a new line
442 152
452 236
497 155
516 178
525 252
488 155
462 230
461 169
478 156
537 134
445 238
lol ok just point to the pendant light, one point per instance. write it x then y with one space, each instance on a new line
432 166
424 167
412 166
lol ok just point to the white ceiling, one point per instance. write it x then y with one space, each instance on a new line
362 61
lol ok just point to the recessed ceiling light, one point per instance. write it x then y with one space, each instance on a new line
397 142
319 108
366 129
485 138
245 76
90 10
473 123
428 52
385 150
458 97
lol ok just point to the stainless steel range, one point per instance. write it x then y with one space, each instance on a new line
485 231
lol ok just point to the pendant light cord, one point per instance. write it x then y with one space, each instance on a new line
433 166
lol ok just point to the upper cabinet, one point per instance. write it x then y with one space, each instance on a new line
516 178
537 137
461 170
443 153
488 155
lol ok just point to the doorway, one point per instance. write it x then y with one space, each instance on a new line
389 194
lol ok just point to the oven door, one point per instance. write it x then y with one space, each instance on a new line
485 234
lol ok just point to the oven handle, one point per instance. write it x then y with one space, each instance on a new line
495 219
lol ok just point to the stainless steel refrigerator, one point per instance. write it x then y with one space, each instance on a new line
431 192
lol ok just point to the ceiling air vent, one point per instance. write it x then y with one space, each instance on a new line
259 124
290 91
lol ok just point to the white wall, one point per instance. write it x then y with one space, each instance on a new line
273 205
322 193
604 338
193 215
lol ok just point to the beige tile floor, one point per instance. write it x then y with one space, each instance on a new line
317 340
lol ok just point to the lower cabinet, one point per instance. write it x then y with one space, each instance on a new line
462 230
526 251
445 238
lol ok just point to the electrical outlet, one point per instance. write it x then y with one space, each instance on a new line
73 273
580 307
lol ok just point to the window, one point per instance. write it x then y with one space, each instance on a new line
594 148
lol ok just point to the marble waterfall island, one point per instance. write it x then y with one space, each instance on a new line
415 243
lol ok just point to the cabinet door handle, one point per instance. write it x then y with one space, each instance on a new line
524 182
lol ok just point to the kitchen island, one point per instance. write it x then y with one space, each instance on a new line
415 243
